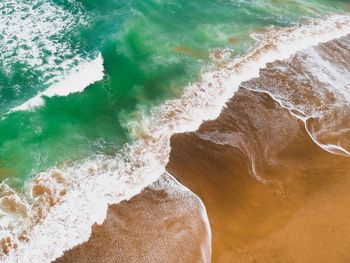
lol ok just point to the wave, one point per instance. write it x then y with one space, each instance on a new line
85 74
59 206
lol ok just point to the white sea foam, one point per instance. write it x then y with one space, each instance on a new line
30 34
35 42
72 198
77 80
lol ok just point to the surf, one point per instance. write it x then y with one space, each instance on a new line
80 77
62 204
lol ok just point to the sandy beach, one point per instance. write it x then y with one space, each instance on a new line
298 216
166 222
271 192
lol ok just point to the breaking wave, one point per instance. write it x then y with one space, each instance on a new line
77 80
34 46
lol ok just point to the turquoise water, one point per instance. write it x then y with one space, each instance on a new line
150 49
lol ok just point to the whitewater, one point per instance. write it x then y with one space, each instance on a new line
78 78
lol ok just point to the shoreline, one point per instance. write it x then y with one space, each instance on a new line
250 220
275 217
270 190
176 116
164 223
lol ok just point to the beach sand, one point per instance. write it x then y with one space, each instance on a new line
300 214
164 223
272 193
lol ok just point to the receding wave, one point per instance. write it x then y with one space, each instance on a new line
314 85
62 203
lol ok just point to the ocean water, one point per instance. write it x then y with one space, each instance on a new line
150 51
91 91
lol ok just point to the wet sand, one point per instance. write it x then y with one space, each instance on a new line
271 193
299 215
165 223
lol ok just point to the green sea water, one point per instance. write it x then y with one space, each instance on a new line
151 50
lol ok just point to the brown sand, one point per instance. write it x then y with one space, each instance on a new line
271 193
300 216
165 223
